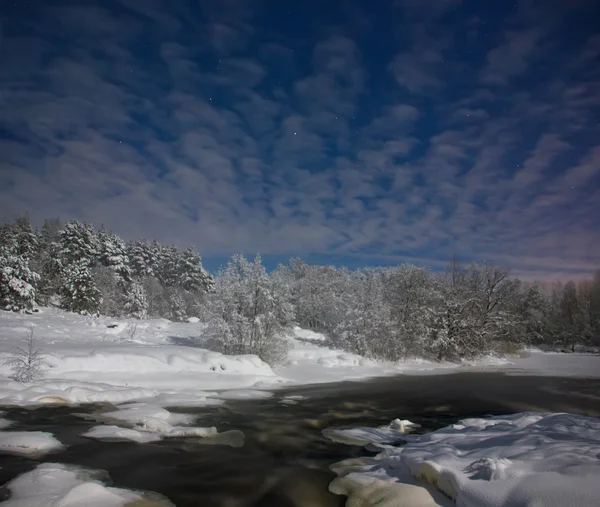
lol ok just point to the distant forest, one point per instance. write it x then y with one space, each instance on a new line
390 313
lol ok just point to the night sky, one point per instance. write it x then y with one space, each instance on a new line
342 131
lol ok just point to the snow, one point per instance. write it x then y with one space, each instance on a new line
110 432
62 485
28 443
524 460
151 418
99 359
393 433
4 423
311 361
536 362
106 360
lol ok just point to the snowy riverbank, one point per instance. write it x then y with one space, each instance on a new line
118 361
524 460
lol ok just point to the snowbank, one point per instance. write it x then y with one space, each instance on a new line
56 484
94 360
106 360
523 460
67 392
28 443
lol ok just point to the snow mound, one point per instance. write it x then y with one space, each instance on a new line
28 443
62 485
71 392
523 460
109 432
393 433
153 359
146 417
308 335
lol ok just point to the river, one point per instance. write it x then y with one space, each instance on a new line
284 460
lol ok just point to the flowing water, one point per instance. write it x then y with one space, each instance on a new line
284 459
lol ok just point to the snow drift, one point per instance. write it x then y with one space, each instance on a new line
523 460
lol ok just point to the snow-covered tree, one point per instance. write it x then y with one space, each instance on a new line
156 297
25 238
191 276
410 292
135 302
367 328
79 243
78 291
17 281
50 267
177 305
143 259
112 253
111 289
246 311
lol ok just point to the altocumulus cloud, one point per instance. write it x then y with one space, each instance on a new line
406 131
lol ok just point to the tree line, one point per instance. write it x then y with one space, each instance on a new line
391 313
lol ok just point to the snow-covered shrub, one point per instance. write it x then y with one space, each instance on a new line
78 291
27 363
17 281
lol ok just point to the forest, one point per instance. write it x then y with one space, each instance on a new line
388 313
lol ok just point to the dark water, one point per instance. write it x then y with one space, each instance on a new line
284 460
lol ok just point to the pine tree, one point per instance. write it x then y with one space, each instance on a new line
142 259
135 302
112 253
25 237
190 273
49 263
17 281
177 305
78 243
78 291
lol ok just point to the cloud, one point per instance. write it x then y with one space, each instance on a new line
511 58
207 127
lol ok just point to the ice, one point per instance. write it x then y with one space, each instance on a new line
28 443
67 486
109 432
244 394
524 460
393 433
146 417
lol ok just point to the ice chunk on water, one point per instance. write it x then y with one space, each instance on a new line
28 442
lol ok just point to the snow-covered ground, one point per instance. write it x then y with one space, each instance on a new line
524 460
143 367
64 485
119 361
